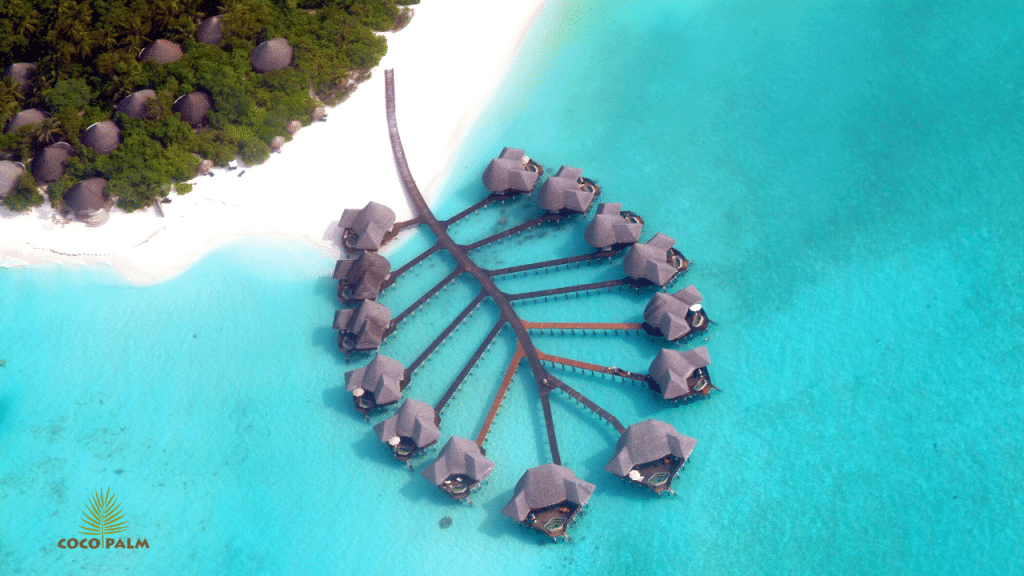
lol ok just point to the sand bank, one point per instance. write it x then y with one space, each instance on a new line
447 63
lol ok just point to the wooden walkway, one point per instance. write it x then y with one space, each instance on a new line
468 367
496 403
611 371
554 263
570 289
441 338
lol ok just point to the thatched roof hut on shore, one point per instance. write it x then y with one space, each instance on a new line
512 172
362 278
411 430
459 468
28 117
678 375
362 327
89 202
675 316
103 137
566 191
650 453
192 108
547 498
9 174
365 229
51 162
134 104
210 31
21 73
274 54
655 261
376 385
161 51
612 227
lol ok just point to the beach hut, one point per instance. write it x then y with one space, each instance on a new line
613 227
365 229
512 172
655 262
161 52
678 375
29 117
271 55
89 202
318 114
675 316
567 191
103 137
376 385
210 31
134 104
205 165
460 468
411 430
650 453
9 174
362 278
547 498
293 126
276 142
192 108
21 73
362 327
51 162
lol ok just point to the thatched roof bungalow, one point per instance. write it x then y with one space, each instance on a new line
9 174
650 454
161 51
376 385
411 430
547 498
460 468
192 108
21 73
567 191
362 278
511 173
134 104
613 227
362 327
103 137
210 31
51 162
675 316
655 262
89 202
365 229
28 117
678 375
274 54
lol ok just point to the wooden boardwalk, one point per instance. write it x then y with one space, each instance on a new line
496 403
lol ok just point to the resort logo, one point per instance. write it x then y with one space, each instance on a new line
100 520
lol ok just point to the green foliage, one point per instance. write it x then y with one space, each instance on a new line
25 194
71 93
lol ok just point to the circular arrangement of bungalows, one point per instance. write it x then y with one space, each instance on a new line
547 498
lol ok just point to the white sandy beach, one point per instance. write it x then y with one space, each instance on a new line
445 72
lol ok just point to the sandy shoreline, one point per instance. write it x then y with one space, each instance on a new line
445 71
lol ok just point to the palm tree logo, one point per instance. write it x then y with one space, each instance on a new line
103 516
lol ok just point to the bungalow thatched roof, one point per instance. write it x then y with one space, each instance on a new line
210 31
646 442
271 55
134 104
671 368
49 165
193 107
609 228
382 377
9 174
650 261
363 276
26 118
87 197
459 456
414 420
366 228
21 73
544 486
103 137
161 51
508 172
365 324
563 191
668 312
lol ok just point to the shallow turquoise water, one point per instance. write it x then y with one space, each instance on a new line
847 181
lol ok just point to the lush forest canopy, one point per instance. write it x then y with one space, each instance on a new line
86 54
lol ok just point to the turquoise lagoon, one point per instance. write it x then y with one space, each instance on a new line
846 178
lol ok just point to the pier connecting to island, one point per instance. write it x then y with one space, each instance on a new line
548 497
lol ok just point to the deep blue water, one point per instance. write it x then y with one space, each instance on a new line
847 180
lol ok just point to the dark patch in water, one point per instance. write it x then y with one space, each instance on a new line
445 522
119 471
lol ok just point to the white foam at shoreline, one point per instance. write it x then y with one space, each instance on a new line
446 66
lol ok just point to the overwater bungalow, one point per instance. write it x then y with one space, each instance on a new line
28 117
512 172
210 31
51 162
365 229
362 278
134 104
411 430
567 191
103 137
656 261
9 174
21 73
161 51
192 108
274 54
675 316
680 375
362 327
89 202
612 227
376 385
650 454
547 498
460 467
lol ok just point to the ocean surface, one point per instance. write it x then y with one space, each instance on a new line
847 179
